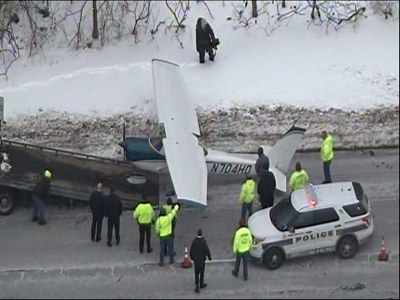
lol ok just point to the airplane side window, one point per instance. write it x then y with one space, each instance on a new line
156 143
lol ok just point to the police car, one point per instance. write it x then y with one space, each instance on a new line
333 217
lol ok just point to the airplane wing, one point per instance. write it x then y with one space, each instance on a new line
172 96
185 157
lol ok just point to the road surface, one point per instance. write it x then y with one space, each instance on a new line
59 260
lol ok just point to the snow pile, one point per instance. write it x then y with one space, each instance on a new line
239 129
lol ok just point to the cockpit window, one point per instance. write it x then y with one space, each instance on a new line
156 143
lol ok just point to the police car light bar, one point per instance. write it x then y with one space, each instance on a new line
311 196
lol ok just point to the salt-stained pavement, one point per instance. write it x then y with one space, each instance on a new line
59 260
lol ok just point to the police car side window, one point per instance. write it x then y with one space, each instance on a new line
324 216
304 220
316 217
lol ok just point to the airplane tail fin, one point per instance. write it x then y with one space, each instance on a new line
281 154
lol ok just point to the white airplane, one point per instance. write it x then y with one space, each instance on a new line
175 149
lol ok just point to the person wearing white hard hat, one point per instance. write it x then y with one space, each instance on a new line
40 194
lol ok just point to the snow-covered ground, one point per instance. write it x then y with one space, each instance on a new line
265 77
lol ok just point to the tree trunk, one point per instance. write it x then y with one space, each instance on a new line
254 12
283 3
95 33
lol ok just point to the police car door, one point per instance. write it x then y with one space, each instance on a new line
326 221
303 243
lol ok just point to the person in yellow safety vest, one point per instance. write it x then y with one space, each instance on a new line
144 214
246 197
299 178
327 155
164 230
168 207
241 247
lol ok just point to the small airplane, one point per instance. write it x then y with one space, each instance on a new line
175 150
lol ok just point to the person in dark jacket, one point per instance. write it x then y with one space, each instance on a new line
113 211
205 40
199 251
97 199
261 160
266 187
39 196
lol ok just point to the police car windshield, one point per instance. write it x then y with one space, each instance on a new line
283 213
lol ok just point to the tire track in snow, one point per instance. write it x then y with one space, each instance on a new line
146 66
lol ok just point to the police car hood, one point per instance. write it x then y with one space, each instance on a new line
261 226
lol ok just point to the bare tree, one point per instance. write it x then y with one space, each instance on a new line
254 12
95 32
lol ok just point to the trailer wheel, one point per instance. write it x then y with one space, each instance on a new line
6 204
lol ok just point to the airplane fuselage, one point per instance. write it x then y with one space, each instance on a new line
216 164
147 154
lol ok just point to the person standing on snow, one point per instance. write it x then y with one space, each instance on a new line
39 196
205 40
299 178
327 155
266 187
247 196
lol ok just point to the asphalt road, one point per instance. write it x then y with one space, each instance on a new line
59 260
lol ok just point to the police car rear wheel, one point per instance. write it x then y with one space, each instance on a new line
274 258
347 247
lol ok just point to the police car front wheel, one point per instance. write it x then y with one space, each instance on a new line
347 247
273 258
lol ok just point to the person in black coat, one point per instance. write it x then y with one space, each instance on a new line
266 187
205 40
199 251
113 211
96 202
39 196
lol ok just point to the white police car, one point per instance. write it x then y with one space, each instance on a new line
333 217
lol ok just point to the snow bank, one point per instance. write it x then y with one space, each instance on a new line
239 129
267 75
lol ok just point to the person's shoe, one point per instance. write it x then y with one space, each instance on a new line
117 243
35 219
98 240
202 286
212 58
109 244
245 278
141 251
197 289
171 262
202 61
234 274
161 264
42 222
150 250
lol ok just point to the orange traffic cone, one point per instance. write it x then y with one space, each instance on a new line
383 256
186 263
